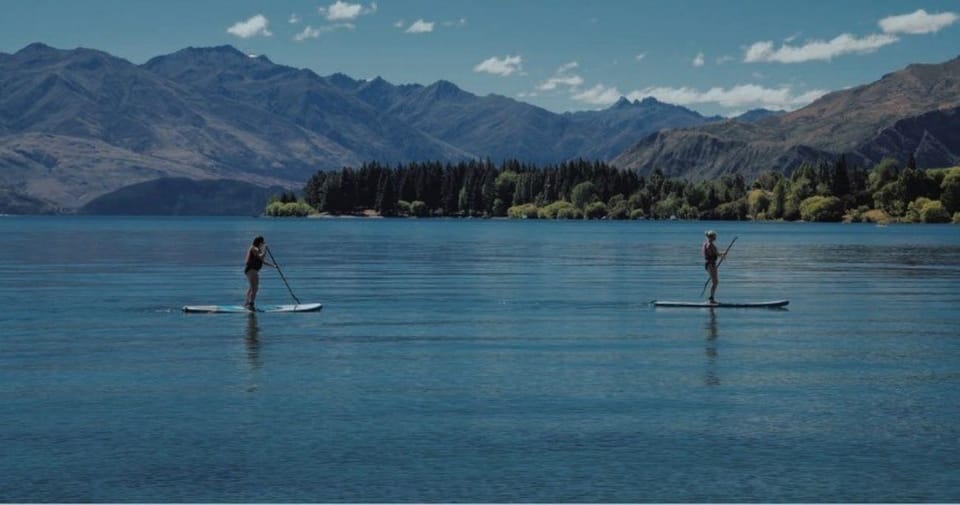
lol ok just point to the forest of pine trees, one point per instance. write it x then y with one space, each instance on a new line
594 190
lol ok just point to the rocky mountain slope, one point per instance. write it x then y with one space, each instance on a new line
76 124
850 121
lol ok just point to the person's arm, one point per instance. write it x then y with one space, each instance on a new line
263 257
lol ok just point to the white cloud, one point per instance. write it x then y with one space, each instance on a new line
598 95
562 78
915 23
572 81
742 96
698 60
725 59
257 25
294 19
640 56
343 11
739 96
500 66
817 49
758 51
918 22
308 32
420 26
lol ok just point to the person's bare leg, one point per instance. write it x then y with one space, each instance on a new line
714 282
254 278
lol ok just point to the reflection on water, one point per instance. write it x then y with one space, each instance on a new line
252 342
936 256
711 378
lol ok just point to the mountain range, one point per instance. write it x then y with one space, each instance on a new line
79 124
914 111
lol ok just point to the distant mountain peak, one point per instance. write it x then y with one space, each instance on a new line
214 60
344 81
378 83
216 50
37 47
39 52
625 103
225 53
445 89
445 85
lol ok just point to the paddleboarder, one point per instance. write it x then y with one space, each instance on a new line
256 258
710 257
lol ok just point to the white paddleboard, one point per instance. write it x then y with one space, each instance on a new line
240 309
708 305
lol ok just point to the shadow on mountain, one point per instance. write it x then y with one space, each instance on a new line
183 197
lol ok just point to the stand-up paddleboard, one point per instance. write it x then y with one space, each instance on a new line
708 305
239 309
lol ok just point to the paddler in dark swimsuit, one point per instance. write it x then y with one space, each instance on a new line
710 257
254 262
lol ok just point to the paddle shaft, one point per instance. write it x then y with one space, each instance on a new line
722 257
274 260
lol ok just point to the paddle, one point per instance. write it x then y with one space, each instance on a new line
281 274
722 257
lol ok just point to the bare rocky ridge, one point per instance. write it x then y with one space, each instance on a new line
848 122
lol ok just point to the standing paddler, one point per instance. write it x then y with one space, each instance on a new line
256 258
710 257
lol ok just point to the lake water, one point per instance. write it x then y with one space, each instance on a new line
482 361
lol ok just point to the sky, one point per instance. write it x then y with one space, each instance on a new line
713 56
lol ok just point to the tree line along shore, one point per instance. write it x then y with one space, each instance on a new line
888 192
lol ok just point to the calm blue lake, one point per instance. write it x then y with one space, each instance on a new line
477 360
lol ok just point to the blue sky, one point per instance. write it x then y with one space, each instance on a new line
716 57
